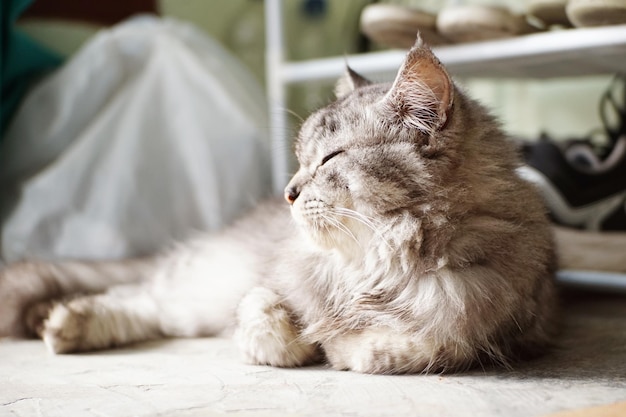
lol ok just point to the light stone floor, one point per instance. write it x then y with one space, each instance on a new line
204 377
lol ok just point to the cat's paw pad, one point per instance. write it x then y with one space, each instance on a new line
266 334
66 329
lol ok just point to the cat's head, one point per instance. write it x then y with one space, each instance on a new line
367 156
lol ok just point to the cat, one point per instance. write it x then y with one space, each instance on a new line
407 244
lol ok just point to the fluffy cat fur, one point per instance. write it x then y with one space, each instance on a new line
408 244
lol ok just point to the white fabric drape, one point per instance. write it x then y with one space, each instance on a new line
149 132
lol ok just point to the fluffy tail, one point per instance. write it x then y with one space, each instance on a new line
26 283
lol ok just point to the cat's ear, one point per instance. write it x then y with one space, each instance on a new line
422 93
349 82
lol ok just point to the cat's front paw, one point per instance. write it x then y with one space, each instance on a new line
65 329
266 334
79 325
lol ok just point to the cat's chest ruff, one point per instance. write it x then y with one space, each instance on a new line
345 283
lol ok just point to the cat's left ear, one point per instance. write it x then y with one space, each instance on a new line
422 93
349 82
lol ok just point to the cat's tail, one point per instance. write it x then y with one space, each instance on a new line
24 284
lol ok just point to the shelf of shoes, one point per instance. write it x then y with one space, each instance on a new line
558 53
567 52
571 52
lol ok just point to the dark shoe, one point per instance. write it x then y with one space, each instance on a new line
579 197
584 184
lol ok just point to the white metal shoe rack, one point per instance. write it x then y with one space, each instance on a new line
572 52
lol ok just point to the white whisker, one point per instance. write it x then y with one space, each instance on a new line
341 227
363 219
357 216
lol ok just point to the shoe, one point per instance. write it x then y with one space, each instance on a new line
550 12
578 197
613 108
473 23
396 26
586 198
600 156
583 184
587 157
584 13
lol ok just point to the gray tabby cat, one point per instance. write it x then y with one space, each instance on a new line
412 246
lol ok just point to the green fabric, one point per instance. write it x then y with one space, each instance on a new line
22 59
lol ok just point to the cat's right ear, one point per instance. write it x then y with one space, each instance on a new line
349 82
422 93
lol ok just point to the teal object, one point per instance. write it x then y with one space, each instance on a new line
22 61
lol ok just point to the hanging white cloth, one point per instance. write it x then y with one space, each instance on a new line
150 132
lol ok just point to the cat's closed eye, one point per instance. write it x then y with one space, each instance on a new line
331 156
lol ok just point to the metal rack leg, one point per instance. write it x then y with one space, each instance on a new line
276 93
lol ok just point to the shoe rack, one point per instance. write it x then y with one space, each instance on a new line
573 52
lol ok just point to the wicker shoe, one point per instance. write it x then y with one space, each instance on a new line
396 26
596 12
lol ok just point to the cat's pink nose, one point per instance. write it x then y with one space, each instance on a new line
291 194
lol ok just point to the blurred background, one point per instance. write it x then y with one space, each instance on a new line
123 134
317 28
